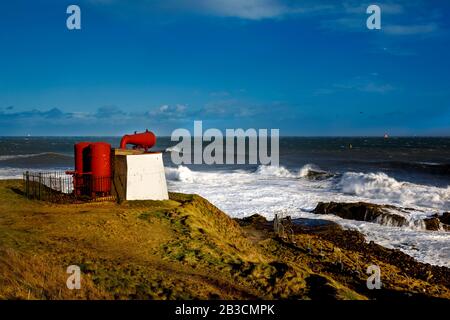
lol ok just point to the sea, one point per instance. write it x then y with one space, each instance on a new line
407 172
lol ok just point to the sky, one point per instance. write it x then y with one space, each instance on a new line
307 68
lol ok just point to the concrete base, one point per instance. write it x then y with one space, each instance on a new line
140 177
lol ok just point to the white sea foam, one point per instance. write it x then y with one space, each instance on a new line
11 173
272 171
17 173
173 149
267 190
382 187
182 173
306 169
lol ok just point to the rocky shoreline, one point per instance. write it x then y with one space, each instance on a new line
381 214
332 241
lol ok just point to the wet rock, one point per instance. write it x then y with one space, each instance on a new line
445 218
445 221
438 222
318 175
362 211
433 224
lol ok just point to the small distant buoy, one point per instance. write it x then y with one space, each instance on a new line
386 136
350 146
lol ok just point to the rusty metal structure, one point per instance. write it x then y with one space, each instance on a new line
93 174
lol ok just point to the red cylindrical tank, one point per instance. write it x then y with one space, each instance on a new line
101 167
81 166
144 140
78 152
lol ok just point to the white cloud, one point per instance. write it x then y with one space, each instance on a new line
401 18
169 112
247 9
386 8
345 24
411 29
370 84
250 9
392 8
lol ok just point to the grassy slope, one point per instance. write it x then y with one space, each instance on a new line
181 248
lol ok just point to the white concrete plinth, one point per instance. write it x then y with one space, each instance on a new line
140 177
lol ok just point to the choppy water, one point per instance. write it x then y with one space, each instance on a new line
407 172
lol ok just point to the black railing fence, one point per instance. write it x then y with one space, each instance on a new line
61 187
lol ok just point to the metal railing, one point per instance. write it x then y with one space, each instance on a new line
282 226
63 188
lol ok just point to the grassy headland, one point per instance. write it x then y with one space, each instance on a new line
186 248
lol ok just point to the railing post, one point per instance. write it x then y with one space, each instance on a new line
275 224
33 178
27 184
40 181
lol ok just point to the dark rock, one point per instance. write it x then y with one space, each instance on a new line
314 225
253 219
318 175
362 211
445 218
257 221
433 224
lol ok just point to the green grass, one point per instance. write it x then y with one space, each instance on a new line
182 248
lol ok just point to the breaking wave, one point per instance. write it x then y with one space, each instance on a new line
273 171
181 173
382 187
378 187
173 149
306 171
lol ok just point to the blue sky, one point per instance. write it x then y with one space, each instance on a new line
306 67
